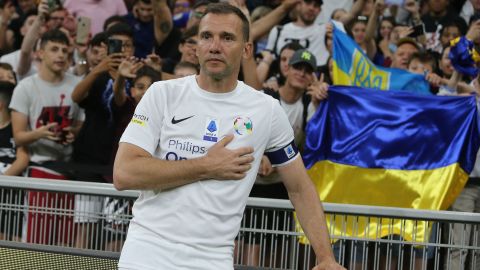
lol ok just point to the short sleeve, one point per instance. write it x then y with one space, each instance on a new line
145 126
281 148
272 37
20 100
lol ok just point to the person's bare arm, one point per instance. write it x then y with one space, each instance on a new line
28 43
309 210
80 92
135 168
263 25
162 20
127 69
354 11
23 136
264 66
20 163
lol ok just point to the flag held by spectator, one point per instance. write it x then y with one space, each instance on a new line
391 149
353 68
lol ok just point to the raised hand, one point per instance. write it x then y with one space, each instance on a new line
129 67
228 164
318 90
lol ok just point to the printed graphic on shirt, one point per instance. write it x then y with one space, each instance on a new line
243 125
211 130
56 114
7 150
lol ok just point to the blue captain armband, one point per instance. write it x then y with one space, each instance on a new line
283 155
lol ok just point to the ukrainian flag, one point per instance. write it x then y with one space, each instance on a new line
391 149
352 67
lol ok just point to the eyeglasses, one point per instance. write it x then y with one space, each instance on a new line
198 14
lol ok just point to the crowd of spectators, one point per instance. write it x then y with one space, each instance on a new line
77 68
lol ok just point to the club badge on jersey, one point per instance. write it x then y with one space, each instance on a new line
211 130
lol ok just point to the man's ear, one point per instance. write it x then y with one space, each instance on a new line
248 50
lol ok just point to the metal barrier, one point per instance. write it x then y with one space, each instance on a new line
80 224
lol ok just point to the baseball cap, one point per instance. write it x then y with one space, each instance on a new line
303 56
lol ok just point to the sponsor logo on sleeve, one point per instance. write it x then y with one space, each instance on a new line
139 119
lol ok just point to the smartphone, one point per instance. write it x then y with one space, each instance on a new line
418 30
114 45
83 30
52 5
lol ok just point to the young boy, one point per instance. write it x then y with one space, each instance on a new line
13 161
184 69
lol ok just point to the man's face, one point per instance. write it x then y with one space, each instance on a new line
96 54
54 56
127 45
56 19
285 56
27 24
308 11
7 75
144 11
181 6
438 6
26 5
402 54
189 50
221 45
300 76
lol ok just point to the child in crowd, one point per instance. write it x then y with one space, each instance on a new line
123 107
183 69
13 161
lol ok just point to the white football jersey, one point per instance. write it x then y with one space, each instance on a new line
194 226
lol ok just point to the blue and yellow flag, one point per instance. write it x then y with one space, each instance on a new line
395 149
352 67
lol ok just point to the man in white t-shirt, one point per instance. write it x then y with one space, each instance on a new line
303 30
193 148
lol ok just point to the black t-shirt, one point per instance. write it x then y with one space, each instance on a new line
7 145
169 48
431 23
94 143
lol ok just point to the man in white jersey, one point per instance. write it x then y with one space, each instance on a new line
194 146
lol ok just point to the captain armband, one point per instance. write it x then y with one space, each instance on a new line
283 155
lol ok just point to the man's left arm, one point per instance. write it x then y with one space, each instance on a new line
309 210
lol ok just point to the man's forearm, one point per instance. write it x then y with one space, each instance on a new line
310 213
148 173
80 91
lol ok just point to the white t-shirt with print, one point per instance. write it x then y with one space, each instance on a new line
194 226
311 37
43 102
